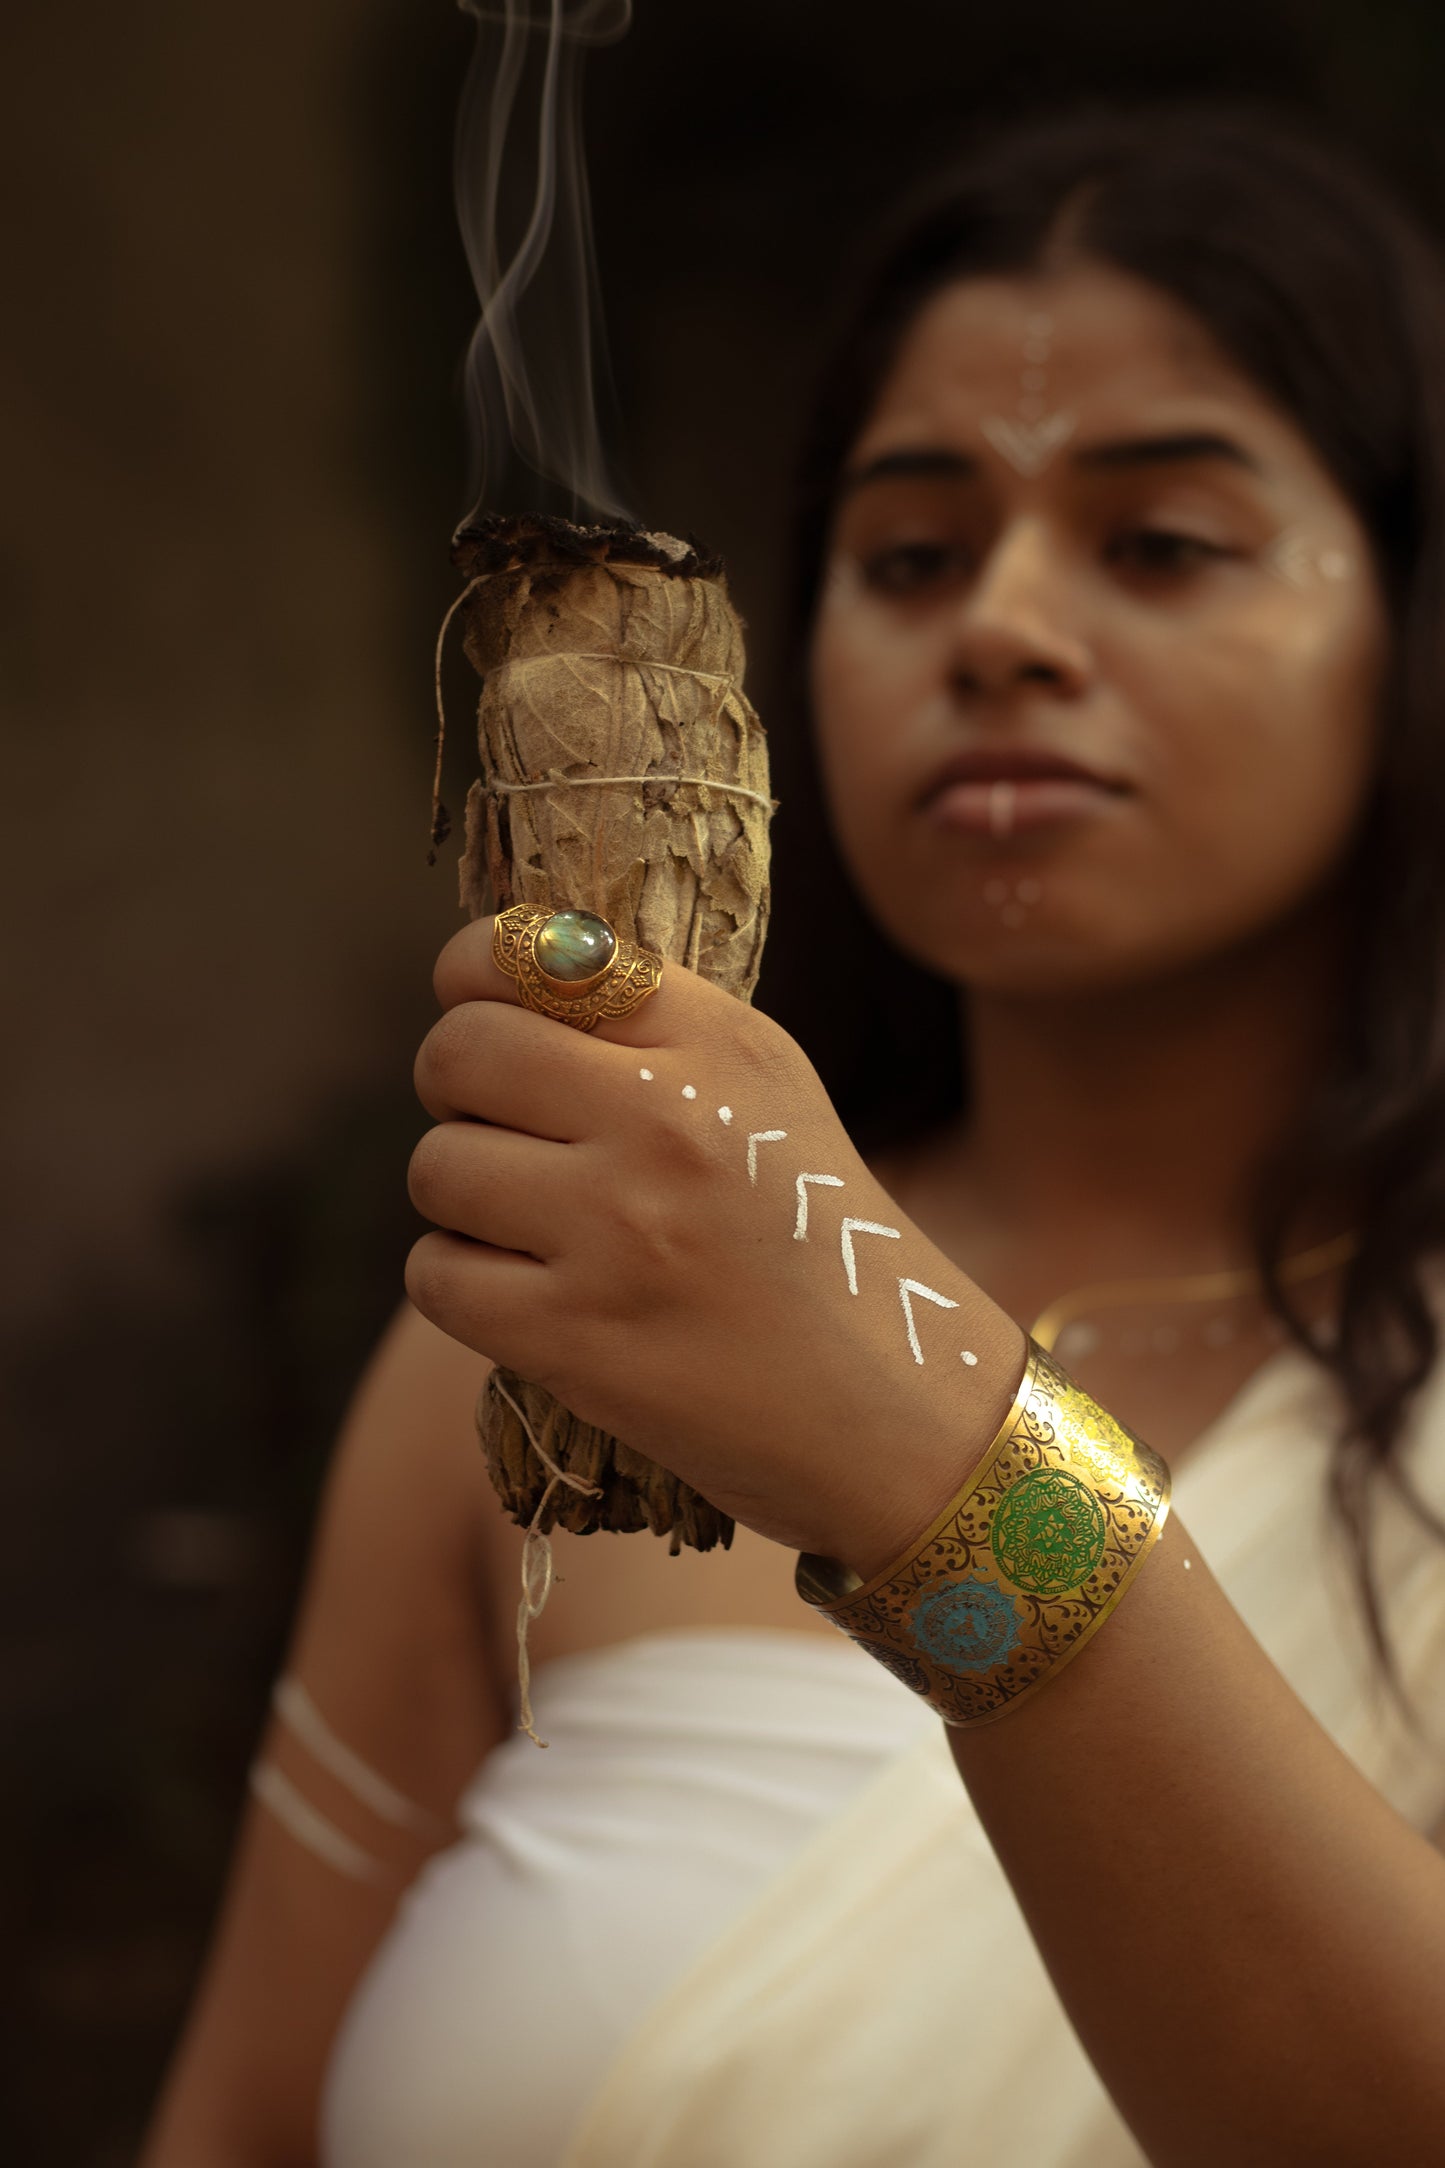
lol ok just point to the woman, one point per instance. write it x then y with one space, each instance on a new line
1121 574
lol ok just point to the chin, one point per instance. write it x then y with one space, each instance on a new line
1047 970
1049 958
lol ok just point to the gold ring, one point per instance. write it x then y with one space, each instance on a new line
572 965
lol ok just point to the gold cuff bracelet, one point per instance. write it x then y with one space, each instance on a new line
1021 1567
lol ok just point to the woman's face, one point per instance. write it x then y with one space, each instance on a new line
1097 664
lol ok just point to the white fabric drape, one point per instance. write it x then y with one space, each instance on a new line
884 2002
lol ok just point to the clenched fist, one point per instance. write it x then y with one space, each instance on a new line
665 1224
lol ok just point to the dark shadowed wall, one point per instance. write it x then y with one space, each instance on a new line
232 458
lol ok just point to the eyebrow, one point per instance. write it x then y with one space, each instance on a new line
938 464
1167 451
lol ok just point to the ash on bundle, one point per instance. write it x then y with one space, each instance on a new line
624 770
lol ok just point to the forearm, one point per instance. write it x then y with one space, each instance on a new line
1248 1940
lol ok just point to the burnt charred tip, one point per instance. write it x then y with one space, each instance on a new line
500 543
441 828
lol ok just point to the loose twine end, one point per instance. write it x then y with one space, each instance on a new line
538 1568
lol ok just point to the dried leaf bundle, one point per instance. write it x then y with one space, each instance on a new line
624 772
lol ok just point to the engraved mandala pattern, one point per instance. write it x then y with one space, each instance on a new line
906 1669
967 1626
1067 1502
1049 1532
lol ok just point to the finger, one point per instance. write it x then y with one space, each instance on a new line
495 1186
485 1061
491 1300
467 971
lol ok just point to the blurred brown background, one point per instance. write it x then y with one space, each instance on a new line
232 458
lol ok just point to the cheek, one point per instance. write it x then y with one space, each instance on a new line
1265 761
869 690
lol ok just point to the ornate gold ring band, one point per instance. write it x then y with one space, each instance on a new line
1018 1570
572 965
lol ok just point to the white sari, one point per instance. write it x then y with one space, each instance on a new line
744 1916
883 2003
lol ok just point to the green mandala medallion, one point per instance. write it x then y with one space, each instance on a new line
1049 1532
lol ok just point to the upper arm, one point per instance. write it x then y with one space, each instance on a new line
392 1645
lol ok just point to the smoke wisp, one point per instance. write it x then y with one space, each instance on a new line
536 367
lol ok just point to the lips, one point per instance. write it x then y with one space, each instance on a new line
1004 791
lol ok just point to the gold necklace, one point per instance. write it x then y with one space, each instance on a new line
1070 1311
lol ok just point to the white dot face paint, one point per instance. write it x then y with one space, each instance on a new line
724 1114
689 1091
1301 562
1029 441
646 1075
1012 900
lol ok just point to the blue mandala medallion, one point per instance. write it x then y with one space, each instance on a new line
967 1626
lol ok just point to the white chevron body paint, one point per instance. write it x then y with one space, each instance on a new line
821 1181
853 1227
761 1136
1028 446
906 1290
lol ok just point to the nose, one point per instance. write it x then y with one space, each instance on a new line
1014 625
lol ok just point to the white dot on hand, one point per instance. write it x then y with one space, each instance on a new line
724 1114
1187 1564
689 1091
646 1075
970 1358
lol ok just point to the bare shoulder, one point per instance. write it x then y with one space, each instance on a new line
397 1611
392 1648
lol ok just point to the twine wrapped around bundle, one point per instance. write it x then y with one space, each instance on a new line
623 772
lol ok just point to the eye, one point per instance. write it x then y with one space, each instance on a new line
904 568
1162 550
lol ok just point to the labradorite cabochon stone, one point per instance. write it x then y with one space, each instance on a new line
574 945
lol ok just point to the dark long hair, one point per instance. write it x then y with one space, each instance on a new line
1333 302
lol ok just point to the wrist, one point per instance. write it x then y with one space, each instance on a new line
1020 1567
947 1437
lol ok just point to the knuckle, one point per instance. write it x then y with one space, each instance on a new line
642 1222
426 1169
427 1283
774 1058
448 1056
686 1150
454 976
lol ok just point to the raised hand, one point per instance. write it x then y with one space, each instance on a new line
666 1225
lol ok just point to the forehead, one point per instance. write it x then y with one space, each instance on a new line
1105 345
